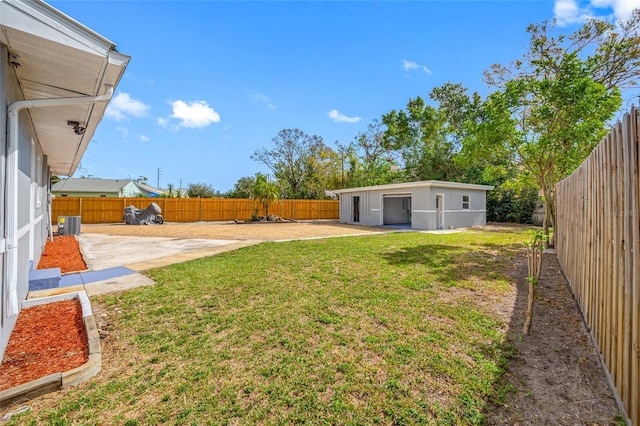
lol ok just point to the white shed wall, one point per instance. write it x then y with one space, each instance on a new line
423 206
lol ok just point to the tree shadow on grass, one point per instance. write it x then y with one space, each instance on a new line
451 262
552 376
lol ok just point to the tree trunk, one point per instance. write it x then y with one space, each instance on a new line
530 301
534 266
549 216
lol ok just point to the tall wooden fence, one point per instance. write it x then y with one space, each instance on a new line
598 247
111 210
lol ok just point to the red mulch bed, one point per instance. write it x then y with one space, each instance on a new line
47 339
63 253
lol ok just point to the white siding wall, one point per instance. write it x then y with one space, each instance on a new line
423 215
6 324
33 177
454 215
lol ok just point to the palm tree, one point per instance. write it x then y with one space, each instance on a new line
264 191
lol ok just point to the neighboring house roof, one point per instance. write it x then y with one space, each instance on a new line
57 57
151 191
148 189
419 184
90 185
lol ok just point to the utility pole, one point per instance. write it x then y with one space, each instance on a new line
159 174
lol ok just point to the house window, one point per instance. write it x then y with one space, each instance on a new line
465 202
64 195
102 196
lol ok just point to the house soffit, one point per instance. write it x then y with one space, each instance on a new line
59 58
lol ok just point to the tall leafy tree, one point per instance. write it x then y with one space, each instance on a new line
376 163
552 106
417 133
292 160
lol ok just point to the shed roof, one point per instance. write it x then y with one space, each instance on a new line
59 58
419 184
90 185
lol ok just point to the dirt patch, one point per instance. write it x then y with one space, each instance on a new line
234 231
47 339
556 374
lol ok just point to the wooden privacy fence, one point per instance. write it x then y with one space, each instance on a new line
598 247
111 210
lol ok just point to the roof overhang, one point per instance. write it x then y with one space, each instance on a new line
419 184
59 58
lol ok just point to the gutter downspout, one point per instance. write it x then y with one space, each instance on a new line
11 190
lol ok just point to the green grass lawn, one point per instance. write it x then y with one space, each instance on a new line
385 329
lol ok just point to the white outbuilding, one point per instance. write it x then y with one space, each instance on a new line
424 205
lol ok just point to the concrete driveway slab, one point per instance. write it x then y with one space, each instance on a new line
108 251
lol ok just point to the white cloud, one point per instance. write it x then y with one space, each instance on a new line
413 66
190 114
124 106
123 132
335 115
621 8
568 12
259 97
144 138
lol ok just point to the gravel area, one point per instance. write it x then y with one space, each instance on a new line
235 231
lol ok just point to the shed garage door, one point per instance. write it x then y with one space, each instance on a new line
396 209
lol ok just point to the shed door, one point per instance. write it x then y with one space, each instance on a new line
356 209
439 211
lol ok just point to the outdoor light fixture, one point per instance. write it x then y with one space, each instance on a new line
77 128
14 61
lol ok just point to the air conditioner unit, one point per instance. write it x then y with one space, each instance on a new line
68 225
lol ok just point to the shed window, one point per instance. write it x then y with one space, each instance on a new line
465 202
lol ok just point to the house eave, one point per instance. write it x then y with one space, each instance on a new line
40 19
60 58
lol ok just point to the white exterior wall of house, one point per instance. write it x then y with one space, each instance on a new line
33 178
424 205
53 71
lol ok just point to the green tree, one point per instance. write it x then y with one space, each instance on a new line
293 160
201 190
418 133
376 163
321 170
553 106
264 191
242 188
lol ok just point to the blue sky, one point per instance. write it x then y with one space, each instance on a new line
209 82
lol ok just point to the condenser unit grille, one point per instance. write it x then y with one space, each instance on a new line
68 225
